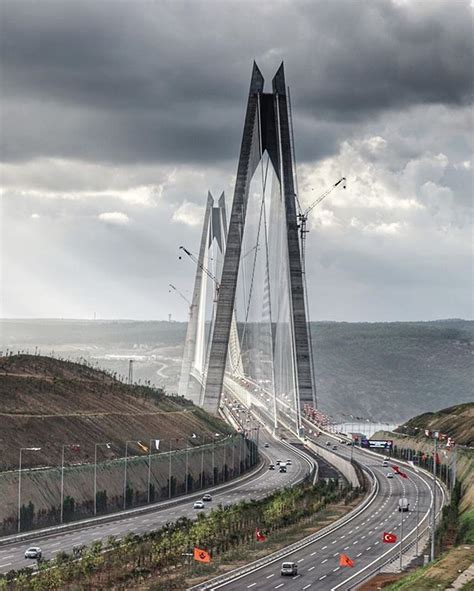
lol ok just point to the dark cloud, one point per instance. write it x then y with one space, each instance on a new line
166 81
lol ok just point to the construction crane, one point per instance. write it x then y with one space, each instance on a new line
202 267
179 293
303 215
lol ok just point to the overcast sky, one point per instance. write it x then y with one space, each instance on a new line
117 117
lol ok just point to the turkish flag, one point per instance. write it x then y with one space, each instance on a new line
389 538
259 536
344 560
396 469
201 555
403 475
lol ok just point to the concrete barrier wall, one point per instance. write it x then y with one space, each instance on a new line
344 466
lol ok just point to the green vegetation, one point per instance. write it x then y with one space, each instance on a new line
155 560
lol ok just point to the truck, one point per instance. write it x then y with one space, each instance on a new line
403 504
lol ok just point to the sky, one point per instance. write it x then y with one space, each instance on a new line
117 118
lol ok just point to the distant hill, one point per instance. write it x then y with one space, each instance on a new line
382 371
47 402
456 421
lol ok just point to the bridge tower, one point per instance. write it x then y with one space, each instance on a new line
213 237
266 129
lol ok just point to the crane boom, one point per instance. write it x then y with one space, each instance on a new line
179 293
324 195
201 266
303 216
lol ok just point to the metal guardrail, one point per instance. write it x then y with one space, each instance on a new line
394 553
284 552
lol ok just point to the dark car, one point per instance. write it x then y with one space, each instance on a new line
207 497
271 467
282 469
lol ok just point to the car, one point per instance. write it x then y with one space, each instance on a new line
282 469
266 445
385 464
334 447
207 497
198 505
289 568
389 474
328 443
288 462
271 467
33 552
349 442
278 462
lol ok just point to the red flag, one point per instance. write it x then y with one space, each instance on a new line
389 538
344 560
396 469
438 461
201 555
259 536
403 474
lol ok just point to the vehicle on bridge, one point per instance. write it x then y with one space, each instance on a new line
289 568
403 504
34 552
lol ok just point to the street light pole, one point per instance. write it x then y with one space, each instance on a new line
401 538
187 467
125 475
19 482
169 472
433 514
96 445
62 485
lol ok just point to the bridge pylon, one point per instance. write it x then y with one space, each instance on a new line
266 130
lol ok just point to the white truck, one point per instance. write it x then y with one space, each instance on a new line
403 504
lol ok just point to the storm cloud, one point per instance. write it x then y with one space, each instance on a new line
118 117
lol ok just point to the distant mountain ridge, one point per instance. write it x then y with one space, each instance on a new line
386 371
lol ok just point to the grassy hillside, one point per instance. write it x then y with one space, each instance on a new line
456 421
46 402
457 525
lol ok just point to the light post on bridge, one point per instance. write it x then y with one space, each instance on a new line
156 442
96 445
22 449
125 472
76 447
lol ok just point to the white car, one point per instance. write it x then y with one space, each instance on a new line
198 505
33 552
389 474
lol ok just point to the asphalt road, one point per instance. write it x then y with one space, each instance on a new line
360 539
12 555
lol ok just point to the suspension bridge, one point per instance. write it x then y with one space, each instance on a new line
248 333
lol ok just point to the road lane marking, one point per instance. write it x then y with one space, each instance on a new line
278 586
251 585
307 586
7 564
325 560
301 560
360 554
270 576
324 548
336 569
323 577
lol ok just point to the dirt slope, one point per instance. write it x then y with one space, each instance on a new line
46 403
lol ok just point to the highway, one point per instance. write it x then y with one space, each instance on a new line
359 538
12 554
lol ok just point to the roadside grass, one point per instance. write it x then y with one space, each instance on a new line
438 575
